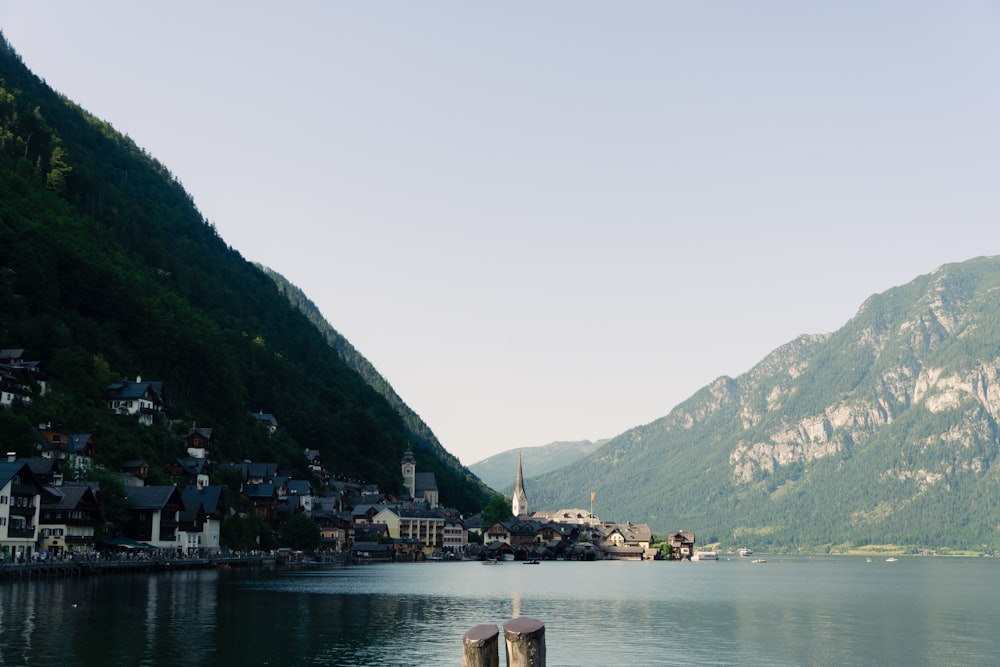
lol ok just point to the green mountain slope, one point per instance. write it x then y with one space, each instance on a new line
882 432
420 434
109 270
500 470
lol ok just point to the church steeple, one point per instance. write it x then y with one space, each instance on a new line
519 505
409 466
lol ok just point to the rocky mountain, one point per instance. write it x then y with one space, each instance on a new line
882 432
499 470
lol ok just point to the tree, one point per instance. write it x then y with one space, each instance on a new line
497 509
300 532
112 498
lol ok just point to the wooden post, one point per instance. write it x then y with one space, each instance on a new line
525 639
481 647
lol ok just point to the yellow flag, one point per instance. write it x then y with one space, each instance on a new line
593 494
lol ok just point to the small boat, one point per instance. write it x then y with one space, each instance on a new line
758 560
890 559
705 555
531 562
746 551
868 560
491 561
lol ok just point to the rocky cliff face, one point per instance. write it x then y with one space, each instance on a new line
890 421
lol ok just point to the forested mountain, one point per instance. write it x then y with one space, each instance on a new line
420 433
108 270
882 432
500 470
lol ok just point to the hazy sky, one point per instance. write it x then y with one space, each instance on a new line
557 220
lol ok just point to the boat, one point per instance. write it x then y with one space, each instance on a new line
758 560
531 562
746 551
868 560
705 555
890 559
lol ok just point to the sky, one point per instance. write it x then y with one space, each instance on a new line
558 220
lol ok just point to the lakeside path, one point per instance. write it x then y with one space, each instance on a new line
46 569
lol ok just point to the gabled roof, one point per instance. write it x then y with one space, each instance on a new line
190 465
70 497
265 418
41 465
78 442
262 470
424 481
299 487
8 469
260 490
149 497
208 497
126 390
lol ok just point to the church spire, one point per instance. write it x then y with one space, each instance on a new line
519 505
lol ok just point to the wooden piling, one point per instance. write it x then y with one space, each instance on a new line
525 639
481 647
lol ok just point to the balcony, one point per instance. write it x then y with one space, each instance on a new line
22 510
24 532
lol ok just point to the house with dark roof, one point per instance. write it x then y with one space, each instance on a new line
200 443
20 502
371 551
144 399
67 446
47 471
137 467
154 515
260 500
19 377
335 528
682 544
299 494
265 420
201 519
190 470
70 519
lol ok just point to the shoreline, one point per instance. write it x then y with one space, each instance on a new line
62 569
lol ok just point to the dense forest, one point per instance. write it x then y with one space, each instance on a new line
110 271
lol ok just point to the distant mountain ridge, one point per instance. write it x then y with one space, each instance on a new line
885 431
499 470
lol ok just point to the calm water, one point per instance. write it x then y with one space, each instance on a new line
788 611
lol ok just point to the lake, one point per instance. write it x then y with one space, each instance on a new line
831 610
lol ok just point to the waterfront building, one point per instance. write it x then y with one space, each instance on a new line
154 515
69 519
20 500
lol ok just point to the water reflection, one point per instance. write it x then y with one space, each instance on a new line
785 613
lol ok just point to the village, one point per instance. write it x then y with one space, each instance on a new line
49 512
